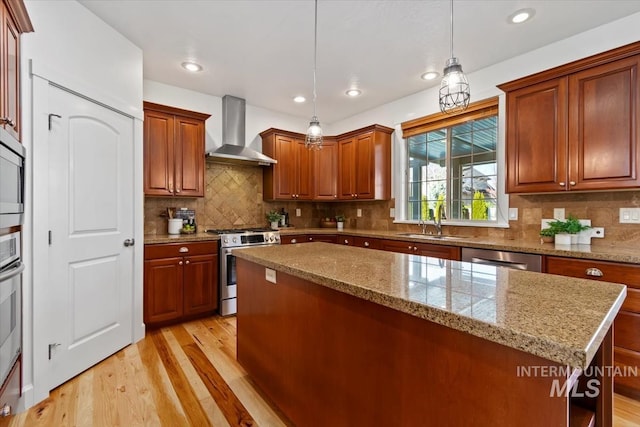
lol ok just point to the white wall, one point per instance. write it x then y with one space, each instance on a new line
483 82
74 49
257 119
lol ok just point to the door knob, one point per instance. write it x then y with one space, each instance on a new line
129 242
7 121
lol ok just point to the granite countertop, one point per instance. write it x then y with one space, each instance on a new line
603 253
557 318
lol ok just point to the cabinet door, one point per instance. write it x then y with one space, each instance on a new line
439 251
158 154
398 246
327 238
364 167
289 240
11 75
303 167
163 289
603 121
347 169
326 171
200 284
189 157
285 170
537 138
366 242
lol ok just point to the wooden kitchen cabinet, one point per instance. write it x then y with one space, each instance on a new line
174 143
423 249
574 127
367 242
293 239
325 166
180 281
292 177
364 164
626 336
327 238
14 20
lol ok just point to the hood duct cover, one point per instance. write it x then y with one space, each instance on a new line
233 149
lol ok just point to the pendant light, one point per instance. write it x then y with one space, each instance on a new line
454 89
313 139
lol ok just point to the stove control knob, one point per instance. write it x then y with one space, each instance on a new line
235 240
272 239
226 240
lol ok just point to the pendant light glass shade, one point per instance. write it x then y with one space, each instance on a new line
313 139
454 88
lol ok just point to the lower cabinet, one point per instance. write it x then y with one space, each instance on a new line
366 242
290 240
424 249
626 327
180 281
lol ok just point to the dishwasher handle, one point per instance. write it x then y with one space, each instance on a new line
509 264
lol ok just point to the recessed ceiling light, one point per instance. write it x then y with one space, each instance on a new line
522 15
299 99
353 92
429 75
192 66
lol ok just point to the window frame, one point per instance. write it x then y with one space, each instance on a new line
476 110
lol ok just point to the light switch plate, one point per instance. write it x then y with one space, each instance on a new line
629 215
359 213
513 213
270 275
558 213
298 212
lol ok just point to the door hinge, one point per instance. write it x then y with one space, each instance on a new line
49 237
52 347
53 115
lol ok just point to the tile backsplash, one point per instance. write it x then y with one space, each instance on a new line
234 200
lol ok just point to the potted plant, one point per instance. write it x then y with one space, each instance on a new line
274 218
567 230
340 221
547 235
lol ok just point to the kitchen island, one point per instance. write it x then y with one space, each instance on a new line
350 336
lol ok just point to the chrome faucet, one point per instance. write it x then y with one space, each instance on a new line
423 225
437 219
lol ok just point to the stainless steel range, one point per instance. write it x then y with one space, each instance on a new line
229 241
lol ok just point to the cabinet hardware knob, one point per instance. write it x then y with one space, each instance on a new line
310 239
186 262
180 262
415 249
366 244
335 196
129 242
183 249
594 272
409 247
562 184
356 196
177 190
572 182
294 241
346 242
7 121
170 188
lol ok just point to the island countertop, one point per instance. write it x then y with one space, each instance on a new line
557 318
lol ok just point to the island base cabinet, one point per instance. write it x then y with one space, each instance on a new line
326 358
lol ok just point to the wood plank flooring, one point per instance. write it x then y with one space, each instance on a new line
182 375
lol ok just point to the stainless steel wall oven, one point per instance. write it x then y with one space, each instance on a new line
11 268
12 161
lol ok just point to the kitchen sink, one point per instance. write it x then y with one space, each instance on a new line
432 236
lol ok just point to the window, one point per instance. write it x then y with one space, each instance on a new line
452 162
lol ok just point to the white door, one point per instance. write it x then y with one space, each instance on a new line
90 217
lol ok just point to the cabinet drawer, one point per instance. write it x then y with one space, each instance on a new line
611 272
169 250
626 330
367 242
327 238
627 361
298 238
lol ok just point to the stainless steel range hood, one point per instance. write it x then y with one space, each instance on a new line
233 149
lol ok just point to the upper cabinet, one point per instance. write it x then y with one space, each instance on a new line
291 177
574 127
354 165
13 21
174 143
364 159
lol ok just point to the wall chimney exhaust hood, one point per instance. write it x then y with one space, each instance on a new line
233 149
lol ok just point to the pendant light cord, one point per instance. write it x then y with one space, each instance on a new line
451 35
315 55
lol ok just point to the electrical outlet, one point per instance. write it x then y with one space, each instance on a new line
359 213
513 213
597 232
270 275
298 212
392 212
558 213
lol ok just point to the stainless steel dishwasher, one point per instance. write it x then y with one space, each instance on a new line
515 260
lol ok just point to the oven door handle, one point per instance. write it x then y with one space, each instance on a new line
17 269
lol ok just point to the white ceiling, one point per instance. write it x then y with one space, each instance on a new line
262 50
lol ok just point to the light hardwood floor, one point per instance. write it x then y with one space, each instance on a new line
183 375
